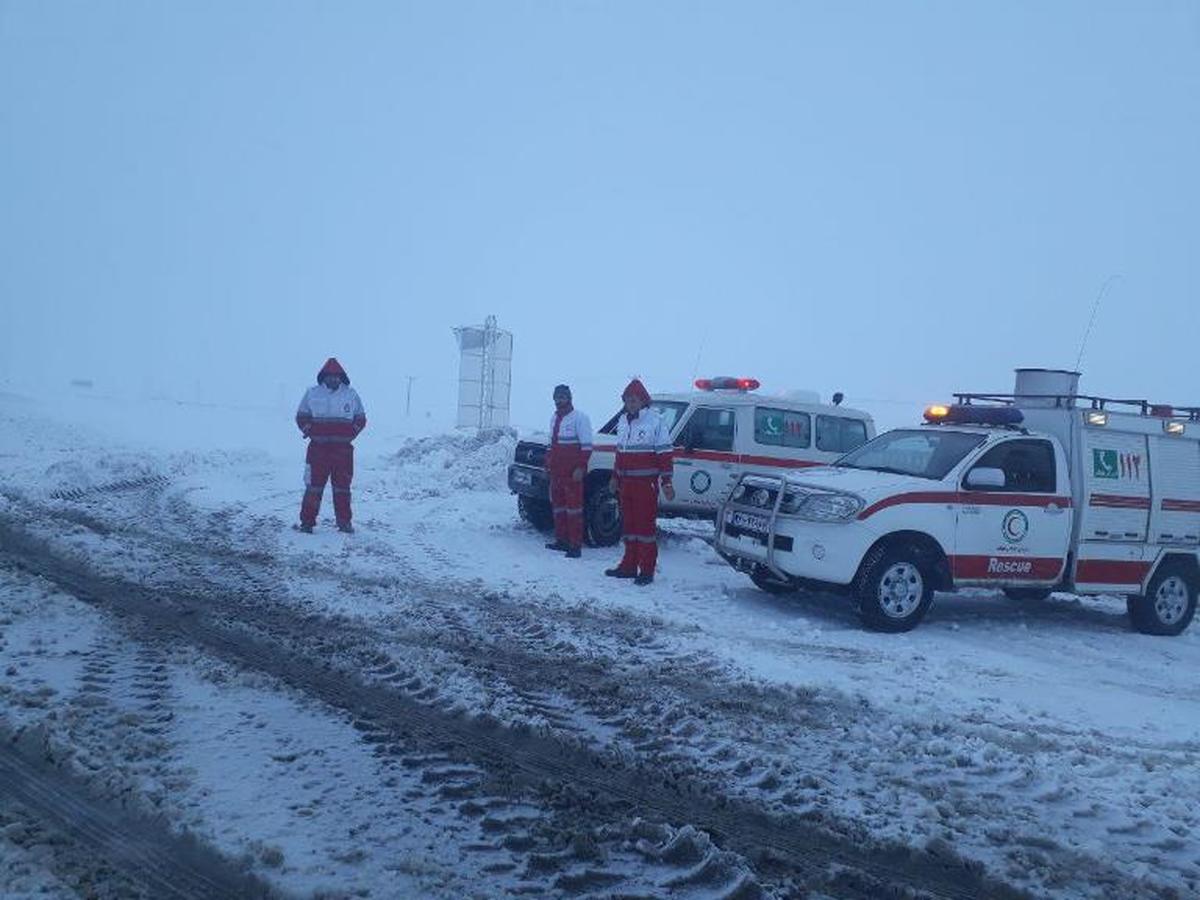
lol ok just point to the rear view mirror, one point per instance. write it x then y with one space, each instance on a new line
985 478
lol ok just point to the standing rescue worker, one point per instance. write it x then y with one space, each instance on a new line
567 462
330 415
644 460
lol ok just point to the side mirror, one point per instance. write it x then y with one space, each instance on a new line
984 478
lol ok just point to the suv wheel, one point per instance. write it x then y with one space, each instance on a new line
602 517
537 513
1169 603
765 581
894 590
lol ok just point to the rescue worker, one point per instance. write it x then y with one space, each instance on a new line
567 462
644 461
331 416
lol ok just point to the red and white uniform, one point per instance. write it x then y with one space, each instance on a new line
570 449
331 420
644 459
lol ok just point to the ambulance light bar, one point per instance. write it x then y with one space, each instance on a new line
1174 427
725 383
967 414
1096 417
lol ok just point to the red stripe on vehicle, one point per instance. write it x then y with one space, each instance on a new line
1181 505
970 498
1007 568
1111 571
744 459
1118 501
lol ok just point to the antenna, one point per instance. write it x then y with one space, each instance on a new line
1092 321
699 353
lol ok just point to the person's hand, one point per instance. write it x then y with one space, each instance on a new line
668 490
577 475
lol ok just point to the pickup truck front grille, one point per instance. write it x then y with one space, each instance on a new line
530 453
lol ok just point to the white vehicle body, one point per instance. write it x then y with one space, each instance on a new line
719 436
1082 497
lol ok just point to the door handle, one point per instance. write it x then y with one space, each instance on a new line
1054 510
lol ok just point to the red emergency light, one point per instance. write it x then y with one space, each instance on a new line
725 383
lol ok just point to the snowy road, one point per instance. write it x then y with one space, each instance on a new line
437 707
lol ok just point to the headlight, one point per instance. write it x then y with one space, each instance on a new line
828 507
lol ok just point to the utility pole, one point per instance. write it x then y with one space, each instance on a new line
408 398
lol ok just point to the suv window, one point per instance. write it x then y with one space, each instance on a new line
670 410
782 427
837 434
1028 466
709 428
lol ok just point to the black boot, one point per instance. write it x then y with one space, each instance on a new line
574 553
347 528
620 573
643 580
557 545
307 529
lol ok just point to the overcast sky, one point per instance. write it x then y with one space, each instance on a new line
890 199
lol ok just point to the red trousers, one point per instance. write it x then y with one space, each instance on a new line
566 497
639 524
334 461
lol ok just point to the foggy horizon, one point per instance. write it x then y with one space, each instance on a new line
891 201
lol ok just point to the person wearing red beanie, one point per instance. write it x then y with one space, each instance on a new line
644 461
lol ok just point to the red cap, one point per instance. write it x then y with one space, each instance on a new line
637 389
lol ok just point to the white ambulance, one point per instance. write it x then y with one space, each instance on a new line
1040 490
721 431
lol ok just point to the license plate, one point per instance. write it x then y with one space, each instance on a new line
522 477
749 522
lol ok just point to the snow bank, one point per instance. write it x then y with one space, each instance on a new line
447 463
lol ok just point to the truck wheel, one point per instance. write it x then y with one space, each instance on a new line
536 512
765 581
894 590
1027 594
1169 603
602 517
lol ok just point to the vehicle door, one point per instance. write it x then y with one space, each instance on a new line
782 439
705 458
1175 501
1014 516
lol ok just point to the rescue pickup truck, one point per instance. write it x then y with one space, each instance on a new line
1032 492
721 431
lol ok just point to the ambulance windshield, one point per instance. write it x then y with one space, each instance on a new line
925 454
670 410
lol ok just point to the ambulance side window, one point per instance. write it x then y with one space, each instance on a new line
1028 466
709 428
836 434
782 428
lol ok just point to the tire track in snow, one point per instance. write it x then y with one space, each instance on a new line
592 786
105 851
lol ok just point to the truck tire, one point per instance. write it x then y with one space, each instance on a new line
602 516
1169 603
894 589
1028 594
765 581
536 512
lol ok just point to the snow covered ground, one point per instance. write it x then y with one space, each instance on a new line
1046 747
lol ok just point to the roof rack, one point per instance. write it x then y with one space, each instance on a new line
1068 401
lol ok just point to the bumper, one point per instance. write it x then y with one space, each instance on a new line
529 481
797 550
